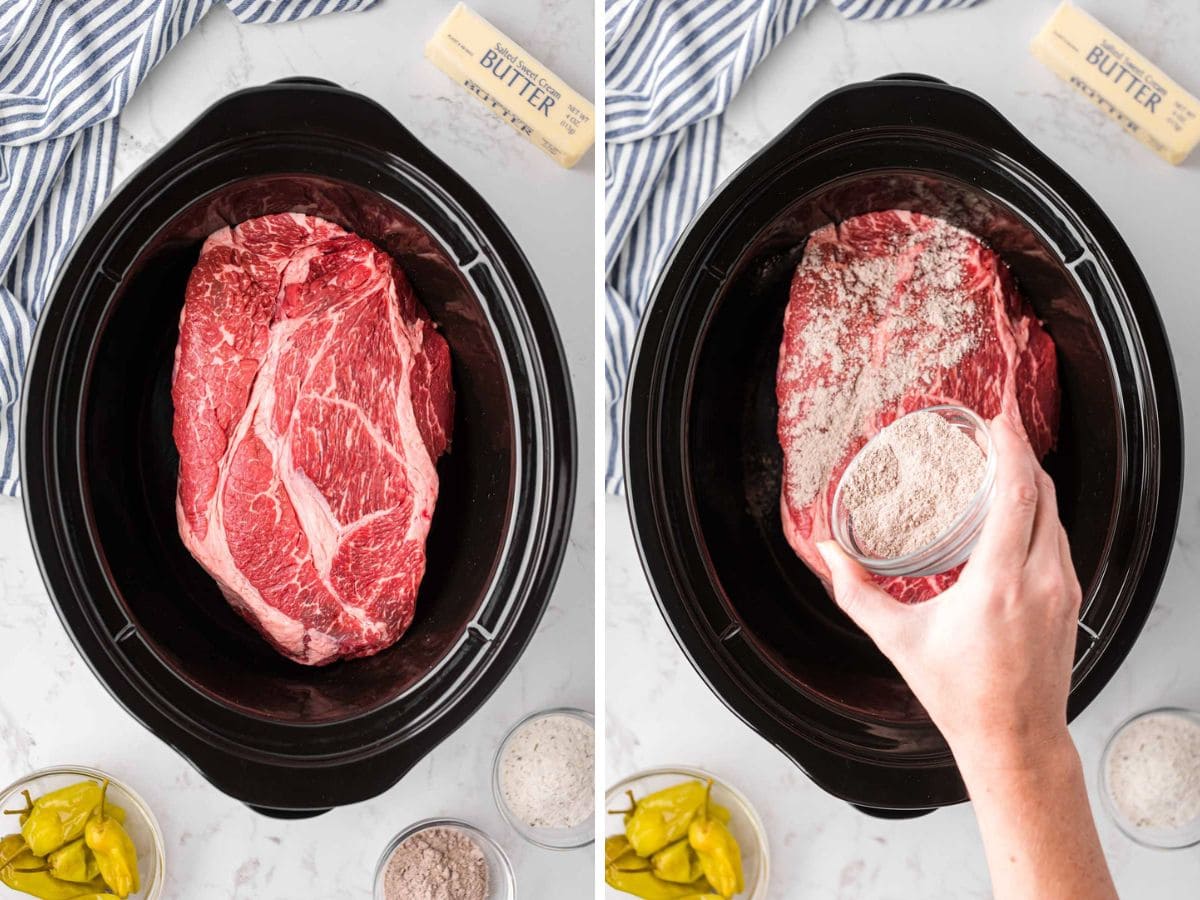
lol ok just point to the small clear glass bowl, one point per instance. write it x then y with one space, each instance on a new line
139 820
745 824
954 545
548 838
1187 835
502 884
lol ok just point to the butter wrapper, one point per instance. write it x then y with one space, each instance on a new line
1121 81
513 85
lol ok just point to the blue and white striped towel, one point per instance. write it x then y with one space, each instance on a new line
671 68
67 68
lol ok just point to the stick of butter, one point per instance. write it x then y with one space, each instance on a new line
1121 81
513 85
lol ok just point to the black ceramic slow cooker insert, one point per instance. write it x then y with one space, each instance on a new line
99 464
703 464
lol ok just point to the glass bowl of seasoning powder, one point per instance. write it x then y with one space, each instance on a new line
1150 778
438 858
913 500
544 778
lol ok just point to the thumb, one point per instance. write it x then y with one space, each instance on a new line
873 610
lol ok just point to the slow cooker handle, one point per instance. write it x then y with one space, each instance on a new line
905 101
355 119
877 813
289 813
911 76
308 79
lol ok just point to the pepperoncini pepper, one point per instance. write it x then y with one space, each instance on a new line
116 812
676 862
22 871
115 853
73 862
720 856
649 886
619 854
615 846
59 817
11 846
663 817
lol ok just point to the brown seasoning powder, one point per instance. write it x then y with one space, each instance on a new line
439 863
909 484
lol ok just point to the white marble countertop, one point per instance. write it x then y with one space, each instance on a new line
52 709
821 848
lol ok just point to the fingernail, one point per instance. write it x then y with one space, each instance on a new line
825 548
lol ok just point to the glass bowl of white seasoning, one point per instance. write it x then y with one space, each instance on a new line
913 500
444 858
544 778
1150 778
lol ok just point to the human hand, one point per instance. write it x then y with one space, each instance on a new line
990 658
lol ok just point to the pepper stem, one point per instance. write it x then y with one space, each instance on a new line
100 806
708 799
28 806
624 812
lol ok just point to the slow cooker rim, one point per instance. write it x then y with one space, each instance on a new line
169 178
656 323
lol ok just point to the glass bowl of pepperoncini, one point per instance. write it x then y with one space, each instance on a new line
653 853
54 822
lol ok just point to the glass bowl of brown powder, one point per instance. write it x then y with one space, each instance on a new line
913 500
438 858
1150 778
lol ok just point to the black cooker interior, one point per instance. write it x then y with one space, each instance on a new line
130 464
735 463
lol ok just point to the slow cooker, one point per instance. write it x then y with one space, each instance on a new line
703 463
99 465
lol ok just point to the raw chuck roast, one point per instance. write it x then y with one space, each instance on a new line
891 312
312 401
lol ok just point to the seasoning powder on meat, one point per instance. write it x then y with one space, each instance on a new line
547 774
889 312
909 484
437 864
915 284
